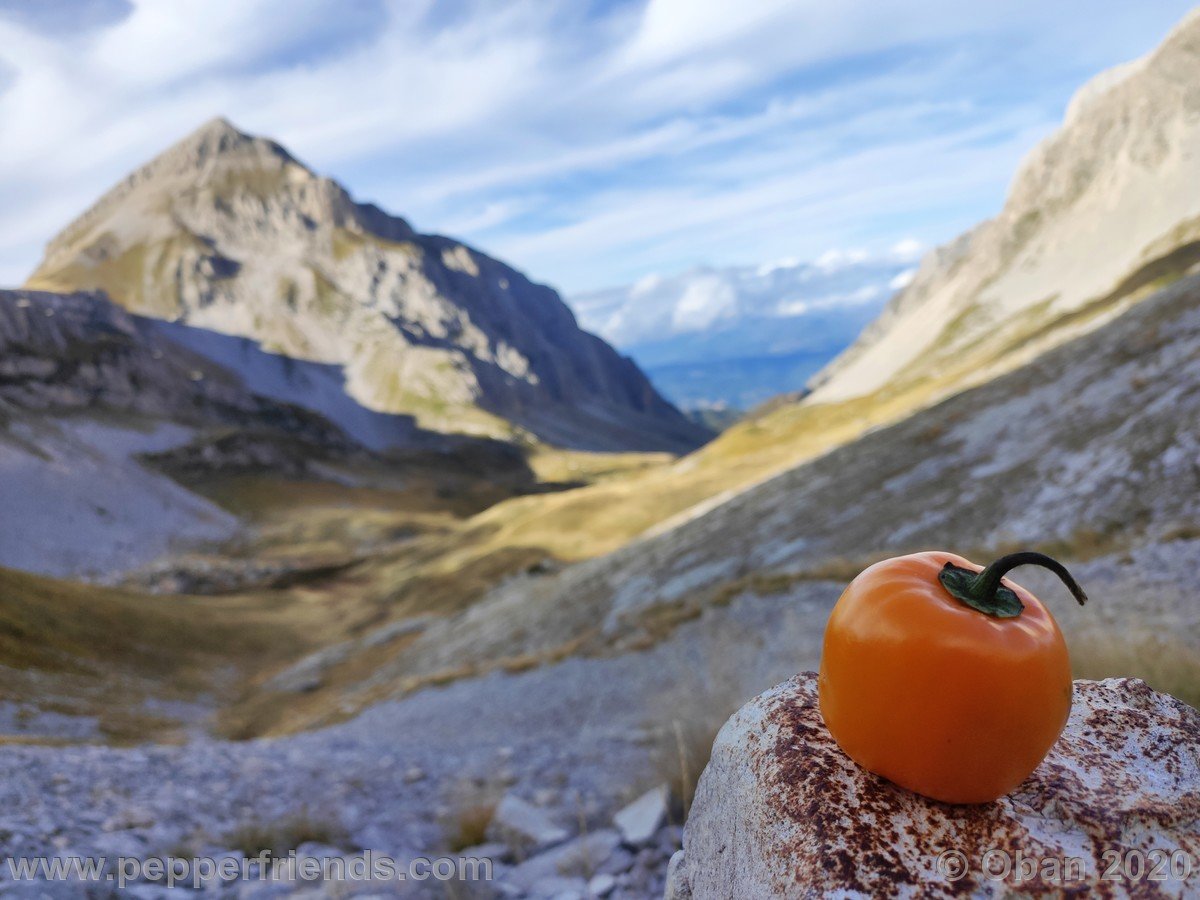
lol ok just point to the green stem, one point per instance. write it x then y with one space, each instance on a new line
986 592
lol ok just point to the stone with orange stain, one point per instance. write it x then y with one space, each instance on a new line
1113 811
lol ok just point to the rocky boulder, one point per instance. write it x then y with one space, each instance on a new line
524 826
640 820
1114 810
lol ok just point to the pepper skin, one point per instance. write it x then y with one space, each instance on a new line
941 698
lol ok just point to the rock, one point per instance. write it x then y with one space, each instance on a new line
391 632
639 821
148 892
119 843
523 825
128 818
620 861
312 850
648 857
494 851
308 674
226 867
677 885
669 839
601 885
781 811
556 888
580 858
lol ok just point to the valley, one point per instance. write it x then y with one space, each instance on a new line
321 531
448 683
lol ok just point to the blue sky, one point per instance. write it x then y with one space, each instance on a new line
588 143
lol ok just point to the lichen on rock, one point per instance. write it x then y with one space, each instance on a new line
1114 810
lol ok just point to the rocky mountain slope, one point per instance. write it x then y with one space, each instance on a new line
1104 207
230 233
1089 452
105 416
85 388
580 689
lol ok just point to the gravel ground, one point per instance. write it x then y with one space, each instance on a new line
578 740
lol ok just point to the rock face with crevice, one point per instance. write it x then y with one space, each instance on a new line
781 811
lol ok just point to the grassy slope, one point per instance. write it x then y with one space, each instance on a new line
602 517
92 651
916 485
357 558
445 572
402 554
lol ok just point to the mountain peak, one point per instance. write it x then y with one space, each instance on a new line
229 232
217 134
218 137
218 126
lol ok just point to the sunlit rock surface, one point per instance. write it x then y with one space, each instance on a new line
782 811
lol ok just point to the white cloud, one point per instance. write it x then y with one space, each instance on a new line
705 301
907 250
481 219
857 297
789 308
832 260
646 285
902 280
682 29
658 308
590 147
788 262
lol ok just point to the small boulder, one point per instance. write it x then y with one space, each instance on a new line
601 885
129 818
523 826
781 811
578 858
494 851
640 820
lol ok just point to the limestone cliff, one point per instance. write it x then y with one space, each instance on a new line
1101 211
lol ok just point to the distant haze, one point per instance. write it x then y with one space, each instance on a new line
739 335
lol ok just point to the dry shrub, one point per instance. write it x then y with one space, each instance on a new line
283 836
467 825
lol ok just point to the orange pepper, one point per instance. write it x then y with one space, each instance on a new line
944 678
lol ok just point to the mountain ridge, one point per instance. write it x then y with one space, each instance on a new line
113 424
230 232
1075 224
